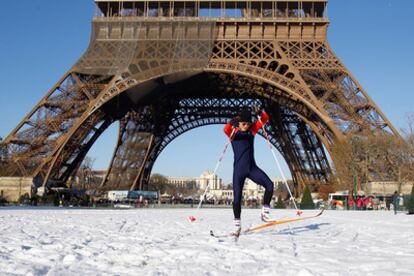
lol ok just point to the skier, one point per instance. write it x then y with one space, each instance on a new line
242 131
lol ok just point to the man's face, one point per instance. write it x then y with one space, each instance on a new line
244 126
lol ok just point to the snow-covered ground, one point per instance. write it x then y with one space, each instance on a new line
163 242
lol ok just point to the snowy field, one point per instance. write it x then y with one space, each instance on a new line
163 242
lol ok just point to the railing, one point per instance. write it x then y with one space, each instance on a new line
211 19
214 9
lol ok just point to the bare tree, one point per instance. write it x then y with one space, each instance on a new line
3 151
408 132
158 182
344 166
3 157
85 177
374 157
406 170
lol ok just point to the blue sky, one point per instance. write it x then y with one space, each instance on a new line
41 40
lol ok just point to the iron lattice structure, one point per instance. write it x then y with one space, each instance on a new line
161 68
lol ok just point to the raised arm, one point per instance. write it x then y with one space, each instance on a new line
230 127
258 124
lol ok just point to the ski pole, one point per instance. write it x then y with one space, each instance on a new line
192 218
298 212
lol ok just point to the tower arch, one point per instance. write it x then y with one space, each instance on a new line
279 56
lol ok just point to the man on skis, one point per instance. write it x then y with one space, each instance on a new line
241 130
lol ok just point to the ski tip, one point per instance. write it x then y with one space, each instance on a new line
320 213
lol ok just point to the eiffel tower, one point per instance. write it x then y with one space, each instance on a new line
161 68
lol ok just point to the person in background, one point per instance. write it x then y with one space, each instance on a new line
368 203
395 201
376 203
360 203
350 202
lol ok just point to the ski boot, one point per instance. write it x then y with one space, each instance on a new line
265 214
237 228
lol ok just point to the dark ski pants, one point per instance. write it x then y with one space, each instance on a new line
257 176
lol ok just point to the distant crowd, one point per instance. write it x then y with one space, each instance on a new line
363 202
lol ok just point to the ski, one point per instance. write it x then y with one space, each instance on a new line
277 222
265 225
227 235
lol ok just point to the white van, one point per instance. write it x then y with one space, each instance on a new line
338 200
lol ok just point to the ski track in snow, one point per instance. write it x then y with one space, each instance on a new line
163 242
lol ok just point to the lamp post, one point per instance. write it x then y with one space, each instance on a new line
353 169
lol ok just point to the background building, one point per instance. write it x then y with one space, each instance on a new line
387 187
208 177
181 181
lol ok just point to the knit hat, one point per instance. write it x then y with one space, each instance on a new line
245 116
